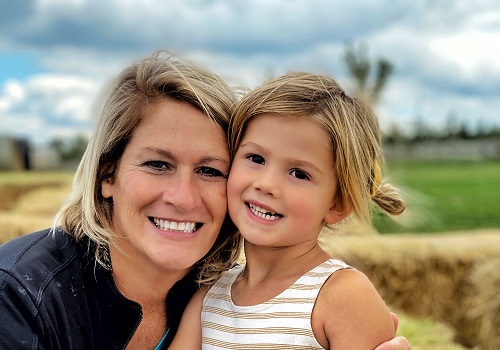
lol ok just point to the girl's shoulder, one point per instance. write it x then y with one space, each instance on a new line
349 306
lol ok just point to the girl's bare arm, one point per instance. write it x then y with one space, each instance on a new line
188 336
350 314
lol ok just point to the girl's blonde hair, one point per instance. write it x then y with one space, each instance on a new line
352 128
87 213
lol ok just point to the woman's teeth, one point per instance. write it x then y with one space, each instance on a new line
264 214
188 227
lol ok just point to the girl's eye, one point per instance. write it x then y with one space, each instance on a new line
211 172
158 165
255 158
299 174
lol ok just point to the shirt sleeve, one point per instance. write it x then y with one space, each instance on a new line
19 326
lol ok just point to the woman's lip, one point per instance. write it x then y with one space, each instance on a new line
175 225
176 235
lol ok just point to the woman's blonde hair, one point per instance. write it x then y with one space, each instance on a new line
87 213
352 128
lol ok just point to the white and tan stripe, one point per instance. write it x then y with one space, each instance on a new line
217 344
283 322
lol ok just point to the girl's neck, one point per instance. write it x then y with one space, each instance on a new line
269 272
282 262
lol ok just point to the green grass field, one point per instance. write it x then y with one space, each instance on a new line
444 196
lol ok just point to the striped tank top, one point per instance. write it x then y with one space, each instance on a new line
284 322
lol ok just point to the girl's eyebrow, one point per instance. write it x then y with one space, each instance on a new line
294 162
251 144
306 164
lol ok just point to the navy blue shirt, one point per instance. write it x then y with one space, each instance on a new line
53 295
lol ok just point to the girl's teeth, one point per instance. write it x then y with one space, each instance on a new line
262 213
188 227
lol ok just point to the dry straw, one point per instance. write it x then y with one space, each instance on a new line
451 278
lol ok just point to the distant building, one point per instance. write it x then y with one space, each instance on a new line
482 149
17 154
14 154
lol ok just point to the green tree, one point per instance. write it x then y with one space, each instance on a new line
70 150
360 68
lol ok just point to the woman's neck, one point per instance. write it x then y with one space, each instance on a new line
147 285
142 283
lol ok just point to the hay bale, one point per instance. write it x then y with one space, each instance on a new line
30 206
15 225
12 192
43 201
480 324
425 275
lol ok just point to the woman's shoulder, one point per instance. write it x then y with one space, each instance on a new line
37 246
32 260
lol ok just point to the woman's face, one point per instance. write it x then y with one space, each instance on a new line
169 191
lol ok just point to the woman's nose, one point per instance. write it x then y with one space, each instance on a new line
183 193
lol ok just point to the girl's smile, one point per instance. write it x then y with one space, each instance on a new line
281 189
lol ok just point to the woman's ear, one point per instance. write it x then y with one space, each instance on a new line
108 179
107 188
337 213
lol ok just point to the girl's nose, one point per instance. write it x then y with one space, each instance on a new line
267 182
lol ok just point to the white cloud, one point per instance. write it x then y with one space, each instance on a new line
63 101
470 50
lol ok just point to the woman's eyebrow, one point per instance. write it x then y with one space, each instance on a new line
213 159
160 151
170 155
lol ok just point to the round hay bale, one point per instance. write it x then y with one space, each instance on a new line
15 225
43 201
480 324
424 275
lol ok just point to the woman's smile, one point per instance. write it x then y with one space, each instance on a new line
169 192
179 226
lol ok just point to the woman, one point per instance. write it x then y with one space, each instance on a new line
141 227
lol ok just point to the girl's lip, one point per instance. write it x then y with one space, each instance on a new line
262 206
262 215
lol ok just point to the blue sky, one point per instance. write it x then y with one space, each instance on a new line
57 56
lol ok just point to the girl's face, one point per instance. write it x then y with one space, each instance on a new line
169 191
281 188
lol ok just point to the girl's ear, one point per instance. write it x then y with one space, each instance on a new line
337 213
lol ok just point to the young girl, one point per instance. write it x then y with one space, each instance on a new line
305 155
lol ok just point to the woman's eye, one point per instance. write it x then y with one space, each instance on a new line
299 174
255 158
158 165
211 172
